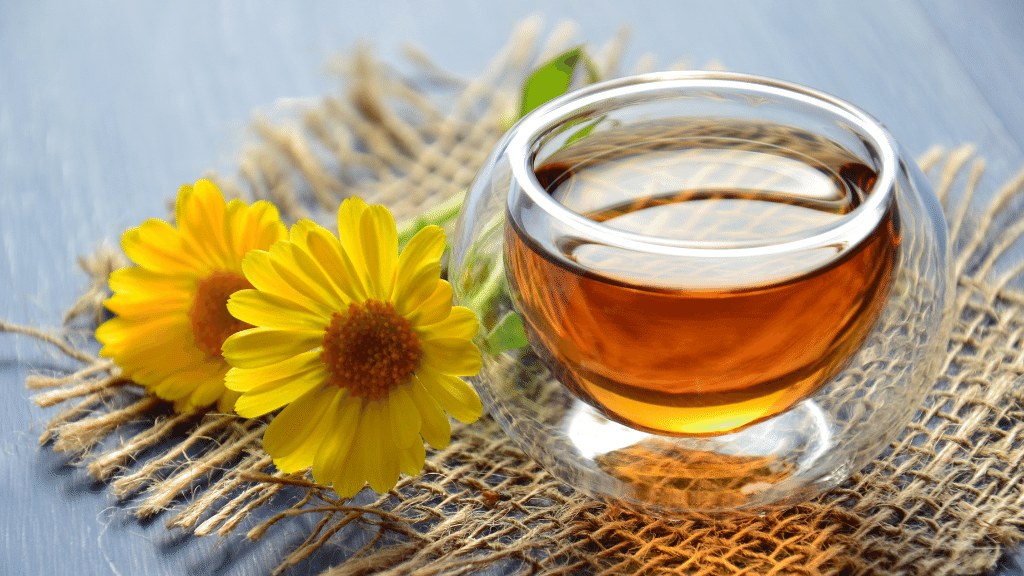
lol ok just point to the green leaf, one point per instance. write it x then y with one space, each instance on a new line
507 334
582 132
553 79
592 73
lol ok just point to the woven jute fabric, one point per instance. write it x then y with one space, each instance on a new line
945 499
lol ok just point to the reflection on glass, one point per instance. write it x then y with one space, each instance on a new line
732 289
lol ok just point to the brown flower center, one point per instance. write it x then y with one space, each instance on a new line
211 321
370 350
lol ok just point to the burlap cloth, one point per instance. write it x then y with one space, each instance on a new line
946 499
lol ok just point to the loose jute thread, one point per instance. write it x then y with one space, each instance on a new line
945 499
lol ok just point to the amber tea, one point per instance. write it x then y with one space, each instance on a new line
704 345
735 290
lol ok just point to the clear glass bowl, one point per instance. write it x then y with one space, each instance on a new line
735 290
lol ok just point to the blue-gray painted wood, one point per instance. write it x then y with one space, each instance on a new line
107 107
987 37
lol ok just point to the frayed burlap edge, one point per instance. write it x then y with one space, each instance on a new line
945 500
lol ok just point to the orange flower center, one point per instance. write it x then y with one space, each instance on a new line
370 350
211 321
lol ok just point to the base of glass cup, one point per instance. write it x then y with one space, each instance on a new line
813 446
784 460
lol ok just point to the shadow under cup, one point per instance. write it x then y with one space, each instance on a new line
734 289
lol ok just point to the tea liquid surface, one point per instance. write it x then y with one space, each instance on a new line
709 345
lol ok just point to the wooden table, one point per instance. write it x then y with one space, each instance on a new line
107 107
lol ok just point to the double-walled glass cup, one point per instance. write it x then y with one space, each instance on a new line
734 289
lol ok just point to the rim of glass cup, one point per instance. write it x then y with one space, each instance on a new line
850 229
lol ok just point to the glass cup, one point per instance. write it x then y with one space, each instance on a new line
735 290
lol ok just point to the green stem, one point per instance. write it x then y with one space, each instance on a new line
550 80
488 290
506 332
440 215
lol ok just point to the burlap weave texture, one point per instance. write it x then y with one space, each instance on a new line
946 499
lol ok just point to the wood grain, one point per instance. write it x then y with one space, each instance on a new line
106 108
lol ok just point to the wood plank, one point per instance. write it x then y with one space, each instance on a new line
987 36
106 109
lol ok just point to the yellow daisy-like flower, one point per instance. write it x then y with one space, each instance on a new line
171 309
360 345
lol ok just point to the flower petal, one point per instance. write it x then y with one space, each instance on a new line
380 454
297 276
370 430
426 246
350 213
295 435
405 417
189 388
410 460
242 380
261 273
150 306
435 308
226 402
258 347
453 395
142 293
387 451
240 229
137 281
455 356
326 250
166 366
156 245
379 241
461 323
418 267
273 311
356 472
152 338
121 334
350 474
418 289
254 227
339 439
270 396
200 214
204 392
270 228
311 271
436 429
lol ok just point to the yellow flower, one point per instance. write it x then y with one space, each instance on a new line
360 345
171 309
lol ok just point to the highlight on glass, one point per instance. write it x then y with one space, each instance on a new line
730 288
